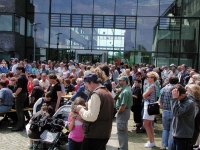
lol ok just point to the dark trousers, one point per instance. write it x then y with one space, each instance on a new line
73 145
196 128
181 143
19 106
94 144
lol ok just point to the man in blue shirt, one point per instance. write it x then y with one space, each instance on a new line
6 98
28 67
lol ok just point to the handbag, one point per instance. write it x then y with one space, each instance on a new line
153 109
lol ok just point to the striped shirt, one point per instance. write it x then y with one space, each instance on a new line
153 96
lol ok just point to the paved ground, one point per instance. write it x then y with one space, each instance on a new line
19 140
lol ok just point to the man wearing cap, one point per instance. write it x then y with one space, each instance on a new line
123 105
97 116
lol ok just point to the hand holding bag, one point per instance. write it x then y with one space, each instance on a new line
153 109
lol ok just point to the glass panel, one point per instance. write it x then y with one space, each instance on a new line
148 8
87 21
42 33
105 7
76 20
6 22
81 38
108 21
120 22
165 6
192 8
41 5
190 35
145 32
17 24
61 6
29 28
126 7
131 22
188 59
82 6
98 21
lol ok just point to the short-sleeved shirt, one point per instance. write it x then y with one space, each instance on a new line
54 89
166 96
22 83
37 92
125 97
6 97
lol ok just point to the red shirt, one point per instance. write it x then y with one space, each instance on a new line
30 87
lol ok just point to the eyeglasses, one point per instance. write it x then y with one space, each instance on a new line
12 80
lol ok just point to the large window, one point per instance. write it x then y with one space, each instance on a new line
6 22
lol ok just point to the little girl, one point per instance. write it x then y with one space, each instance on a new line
75 122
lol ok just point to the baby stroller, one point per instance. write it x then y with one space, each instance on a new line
57 134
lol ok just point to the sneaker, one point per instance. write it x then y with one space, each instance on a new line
149 145
163 148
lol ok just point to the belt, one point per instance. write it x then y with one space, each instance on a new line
166 108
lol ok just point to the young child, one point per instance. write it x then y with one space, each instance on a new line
75 122
44 111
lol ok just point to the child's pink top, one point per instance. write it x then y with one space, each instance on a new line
76 88
77 132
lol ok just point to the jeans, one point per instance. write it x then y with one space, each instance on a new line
181 143
166 121
73 145
5 108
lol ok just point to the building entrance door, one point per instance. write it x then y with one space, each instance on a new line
87 57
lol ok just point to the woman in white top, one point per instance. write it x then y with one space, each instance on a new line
66 72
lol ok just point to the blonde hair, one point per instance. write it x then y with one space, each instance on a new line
194 90
196 76
100 74
153 75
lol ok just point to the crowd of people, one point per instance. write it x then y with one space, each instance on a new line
101 91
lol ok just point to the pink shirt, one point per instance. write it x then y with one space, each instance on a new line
77 132
76 88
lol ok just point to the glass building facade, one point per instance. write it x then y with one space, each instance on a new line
158 32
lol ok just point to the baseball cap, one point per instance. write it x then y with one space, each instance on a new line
92 77
123 78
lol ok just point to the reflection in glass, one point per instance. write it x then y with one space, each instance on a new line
42 36
6 22
41 5
145 32
148 8
82 6
164 5
61 6
126 7
104 7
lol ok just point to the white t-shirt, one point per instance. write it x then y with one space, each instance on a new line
44 84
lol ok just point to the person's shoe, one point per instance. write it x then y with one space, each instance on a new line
149 145
146 143
17 129
30 146
163 148
141 131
